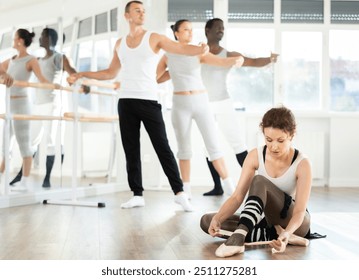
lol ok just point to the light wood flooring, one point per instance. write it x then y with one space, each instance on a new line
162 231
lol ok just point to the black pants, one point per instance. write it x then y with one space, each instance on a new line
131 113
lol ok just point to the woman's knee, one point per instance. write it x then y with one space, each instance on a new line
258 181
206 221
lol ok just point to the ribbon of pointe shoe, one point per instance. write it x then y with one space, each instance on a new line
293 240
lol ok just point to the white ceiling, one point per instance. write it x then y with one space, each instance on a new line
9 5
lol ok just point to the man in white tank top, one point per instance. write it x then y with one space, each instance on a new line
137 54
214 79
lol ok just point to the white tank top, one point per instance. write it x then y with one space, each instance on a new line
215 80
138 70
288 181
51 68
17 69
185 72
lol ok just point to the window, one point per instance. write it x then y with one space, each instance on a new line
251 88
85 28
344 66
68 31
101 23
303 11
344 12
301 73
250 11
6 40
196 11
84 57
114 19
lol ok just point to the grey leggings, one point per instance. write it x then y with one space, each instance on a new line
20 129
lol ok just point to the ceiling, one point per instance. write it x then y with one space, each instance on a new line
10 5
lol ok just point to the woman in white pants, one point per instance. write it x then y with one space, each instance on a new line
190 102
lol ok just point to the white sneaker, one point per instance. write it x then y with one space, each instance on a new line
136 201
23 186
182 200
187 190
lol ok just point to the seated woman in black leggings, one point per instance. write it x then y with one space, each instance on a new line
277 179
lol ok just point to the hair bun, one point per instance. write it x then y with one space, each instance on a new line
173 27
32 34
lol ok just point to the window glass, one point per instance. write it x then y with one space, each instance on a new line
196 11
85 27
344 66
84 59
301 72
251 88
250 11
101 23
6 40
114 19
344 12
303 11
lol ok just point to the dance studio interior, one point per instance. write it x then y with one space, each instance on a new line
77 214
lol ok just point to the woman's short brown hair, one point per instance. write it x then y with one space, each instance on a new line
281 118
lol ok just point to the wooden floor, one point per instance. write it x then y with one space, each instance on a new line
162 231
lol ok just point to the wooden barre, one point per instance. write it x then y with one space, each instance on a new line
67 117
20 117
97 83
82 117
56 86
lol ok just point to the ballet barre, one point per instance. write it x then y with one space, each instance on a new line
50 86
74 117
68 116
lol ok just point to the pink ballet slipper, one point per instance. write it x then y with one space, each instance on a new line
224 251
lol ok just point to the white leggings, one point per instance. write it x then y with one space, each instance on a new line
196 107
50 127
228 123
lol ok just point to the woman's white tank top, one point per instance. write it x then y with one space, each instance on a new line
17 69
185 72
288 181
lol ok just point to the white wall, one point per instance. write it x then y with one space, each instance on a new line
341 154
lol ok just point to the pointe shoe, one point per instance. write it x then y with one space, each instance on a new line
182 200
224 251
293 239
281 249
136 201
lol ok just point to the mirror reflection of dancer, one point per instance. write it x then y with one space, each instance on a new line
48 102
215 80
137 55
277 179
20 68
5 78
190 102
